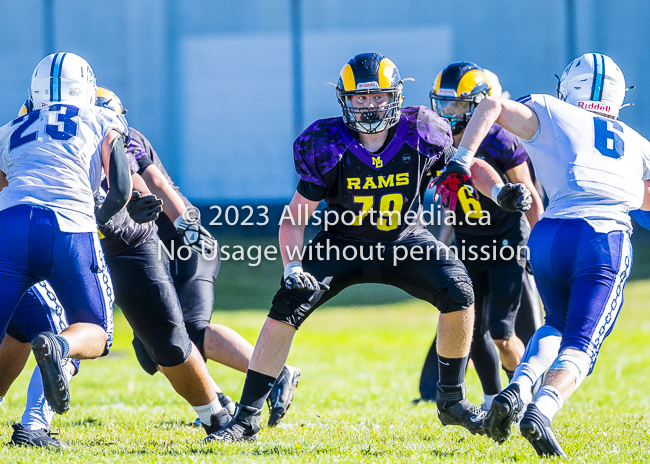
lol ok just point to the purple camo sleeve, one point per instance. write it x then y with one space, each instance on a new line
428 133
504 147
317 150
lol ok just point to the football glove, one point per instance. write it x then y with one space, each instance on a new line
514 197
452 178
295 278
195 236
144 209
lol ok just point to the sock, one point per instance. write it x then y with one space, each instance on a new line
256 388
38 413
65 346
541 351
452 370
549 401
205 412
510 374
487 400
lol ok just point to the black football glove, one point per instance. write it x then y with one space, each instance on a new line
451 179
195 236
295 278
144 209
515 197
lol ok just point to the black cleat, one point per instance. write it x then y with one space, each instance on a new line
217 421
244 426
455 409
503 412
281 396
40 437
47 352
536 428
226 402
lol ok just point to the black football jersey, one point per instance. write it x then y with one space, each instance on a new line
374 197
503 151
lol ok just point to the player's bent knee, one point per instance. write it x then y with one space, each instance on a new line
171 355
574 361
457 297
292 307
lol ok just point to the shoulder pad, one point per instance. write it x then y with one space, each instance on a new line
318 149
427 133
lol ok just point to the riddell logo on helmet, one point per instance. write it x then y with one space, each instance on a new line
595 106
367 85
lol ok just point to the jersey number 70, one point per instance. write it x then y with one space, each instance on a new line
64 129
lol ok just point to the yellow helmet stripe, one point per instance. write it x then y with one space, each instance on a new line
386 70
470 80
23 110
347 77
436 85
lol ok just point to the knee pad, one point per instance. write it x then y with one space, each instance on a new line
578 365
457 297
173 354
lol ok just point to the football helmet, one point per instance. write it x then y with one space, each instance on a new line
458 89
108 99
26 108
62 78
370 73
593 82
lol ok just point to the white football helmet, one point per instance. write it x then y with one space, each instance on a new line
593 82
62 78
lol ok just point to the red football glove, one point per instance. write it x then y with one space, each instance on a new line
451 179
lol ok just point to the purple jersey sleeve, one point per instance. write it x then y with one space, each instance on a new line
504 147
317 150
428 133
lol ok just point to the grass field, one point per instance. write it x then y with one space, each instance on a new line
360 371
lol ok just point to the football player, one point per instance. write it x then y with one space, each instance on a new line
498 283
595 170
51 163
370 167
194 277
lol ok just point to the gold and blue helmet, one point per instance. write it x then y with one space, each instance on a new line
108 99
370 73
457 91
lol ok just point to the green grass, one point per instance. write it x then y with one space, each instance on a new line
360 371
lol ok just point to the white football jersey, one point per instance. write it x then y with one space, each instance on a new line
52 158
591 167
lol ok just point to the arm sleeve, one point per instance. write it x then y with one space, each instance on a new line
120 182
311 191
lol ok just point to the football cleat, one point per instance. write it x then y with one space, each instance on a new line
244 426
227 402
281 396
455 409
40 437
217 421
47 353
504 411
536 428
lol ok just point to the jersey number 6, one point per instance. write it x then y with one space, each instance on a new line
606 141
